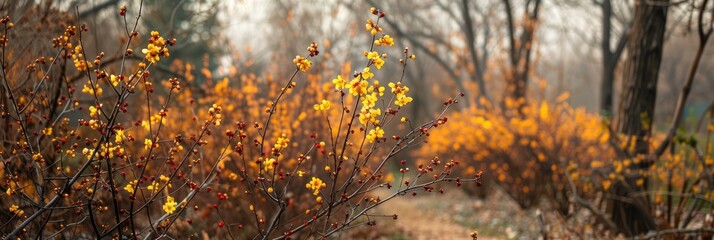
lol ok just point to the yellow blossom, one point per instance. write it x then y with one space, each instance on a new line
87 88
316 185
156 48
370 100
400 93
339 82
233 176
148 144
78 59
282 142
322 106
379 90
269 164
379 63
384 41
164 178
367 74
369 115
376 59
154 187
302 63
401 101
130 187
114 80
170 205
94 112
375 134
16 210
38 158
358 87
119 136
47 131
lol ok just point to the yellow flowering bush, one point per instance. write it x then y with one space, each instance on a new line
527 155
564 159
134 154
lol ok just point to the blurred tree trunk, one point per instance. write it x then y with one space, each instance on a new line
610 57
479 65
630 213
520 49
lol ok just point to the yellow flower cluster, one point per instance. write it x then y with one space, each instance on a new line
215 112
302 63
156 48
94 112
108 150
154 120
47 131
316 185
375 134
358 87
87 88
119 136
164 178
386 40
148 144
269 164
170 205
339 83
78 59
372 27
282 142
37 157
376 59
130 187
114 80
370 99
369 115
154 187
323 105
16 210
400 93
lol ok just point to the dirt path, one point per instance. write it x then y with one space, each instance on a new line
416 220
454 215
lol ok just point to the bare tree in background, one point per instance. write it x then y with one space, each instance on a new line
610 56
520 47
475 21
472 20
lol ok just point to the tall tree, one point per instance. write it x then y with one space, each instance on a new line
635 111
610 56
473 20
520 47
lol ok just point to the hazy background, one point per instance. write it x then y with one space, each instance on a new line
566 50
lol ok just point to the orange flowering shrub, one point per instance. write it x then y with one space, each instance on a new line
568 158
526 154
120 153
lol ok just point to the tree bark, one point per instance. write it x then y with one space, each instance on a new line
634 116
